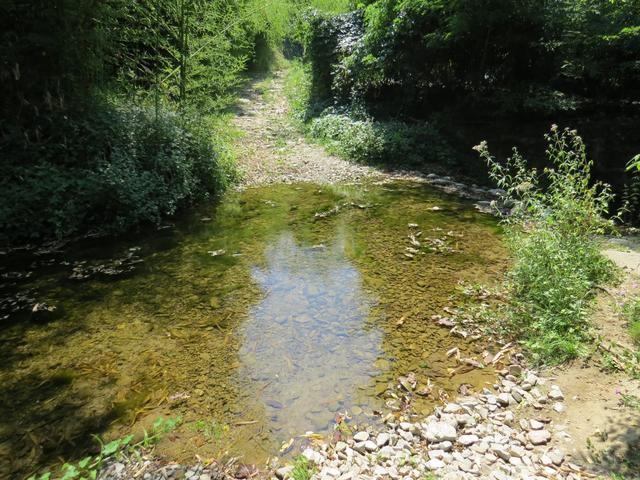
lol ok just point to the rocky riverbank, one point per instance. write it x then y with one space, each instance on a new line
503 432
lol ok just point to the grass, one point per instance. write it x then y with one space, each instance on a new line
631 311
302 469
89 466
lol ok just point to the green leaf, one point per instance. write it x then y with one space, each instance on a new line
70 472
111 448
84 462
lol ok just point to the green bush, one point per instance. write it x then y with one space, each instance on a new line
551 235
381 142
106 170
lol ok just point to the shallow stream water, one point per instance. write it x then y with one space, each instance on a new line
256 319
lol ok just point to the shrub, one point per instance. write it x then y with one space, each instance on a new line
381 142
551 235
106 171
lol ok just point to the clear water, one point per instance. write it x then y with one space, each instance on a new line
302 317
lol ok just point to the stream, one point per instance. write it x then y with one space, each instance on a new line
255 319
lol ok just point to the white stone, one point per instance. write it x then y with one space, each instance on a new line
435 464
284 472
406 426
361 437
556 456
370 446
439 432
382 439
313 456
555 393
452 408
467 440
539 437
536 425
380 471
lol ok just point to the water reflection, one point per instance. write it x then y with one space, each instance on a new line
309 338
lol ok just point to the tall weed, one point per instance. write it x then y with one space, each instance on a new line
551 233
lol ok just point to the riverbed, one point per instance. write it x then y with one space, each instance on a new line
254 319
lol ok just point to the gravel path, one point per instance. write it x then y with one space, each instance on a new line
273 151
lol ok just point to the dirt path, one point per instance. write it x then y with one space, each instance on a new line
604 430
273 151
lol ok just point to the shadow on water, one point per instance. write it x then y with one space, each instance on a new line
256 320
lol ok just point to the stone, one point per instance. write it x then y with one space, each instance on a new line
498 475
501 452
379 471
437 454
536 425
515 370
387 451
313 456
539 437
406 436
504 399
558 407
434 464
406 426
531 379
556 456
361 437
439 432
446 446
515 461
452 408
370 446
340 447
555 393
382 439
466 440
516 451
329 472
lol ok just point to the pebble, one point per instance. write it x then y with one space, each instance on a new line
361 437
536 425
556 456
382 439
370 446
283 472
555 393
435 464
466 440
539 437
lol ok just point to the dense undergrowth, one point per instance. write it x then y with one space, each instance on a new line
358 136
113 113
442 75
552 233
122 168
